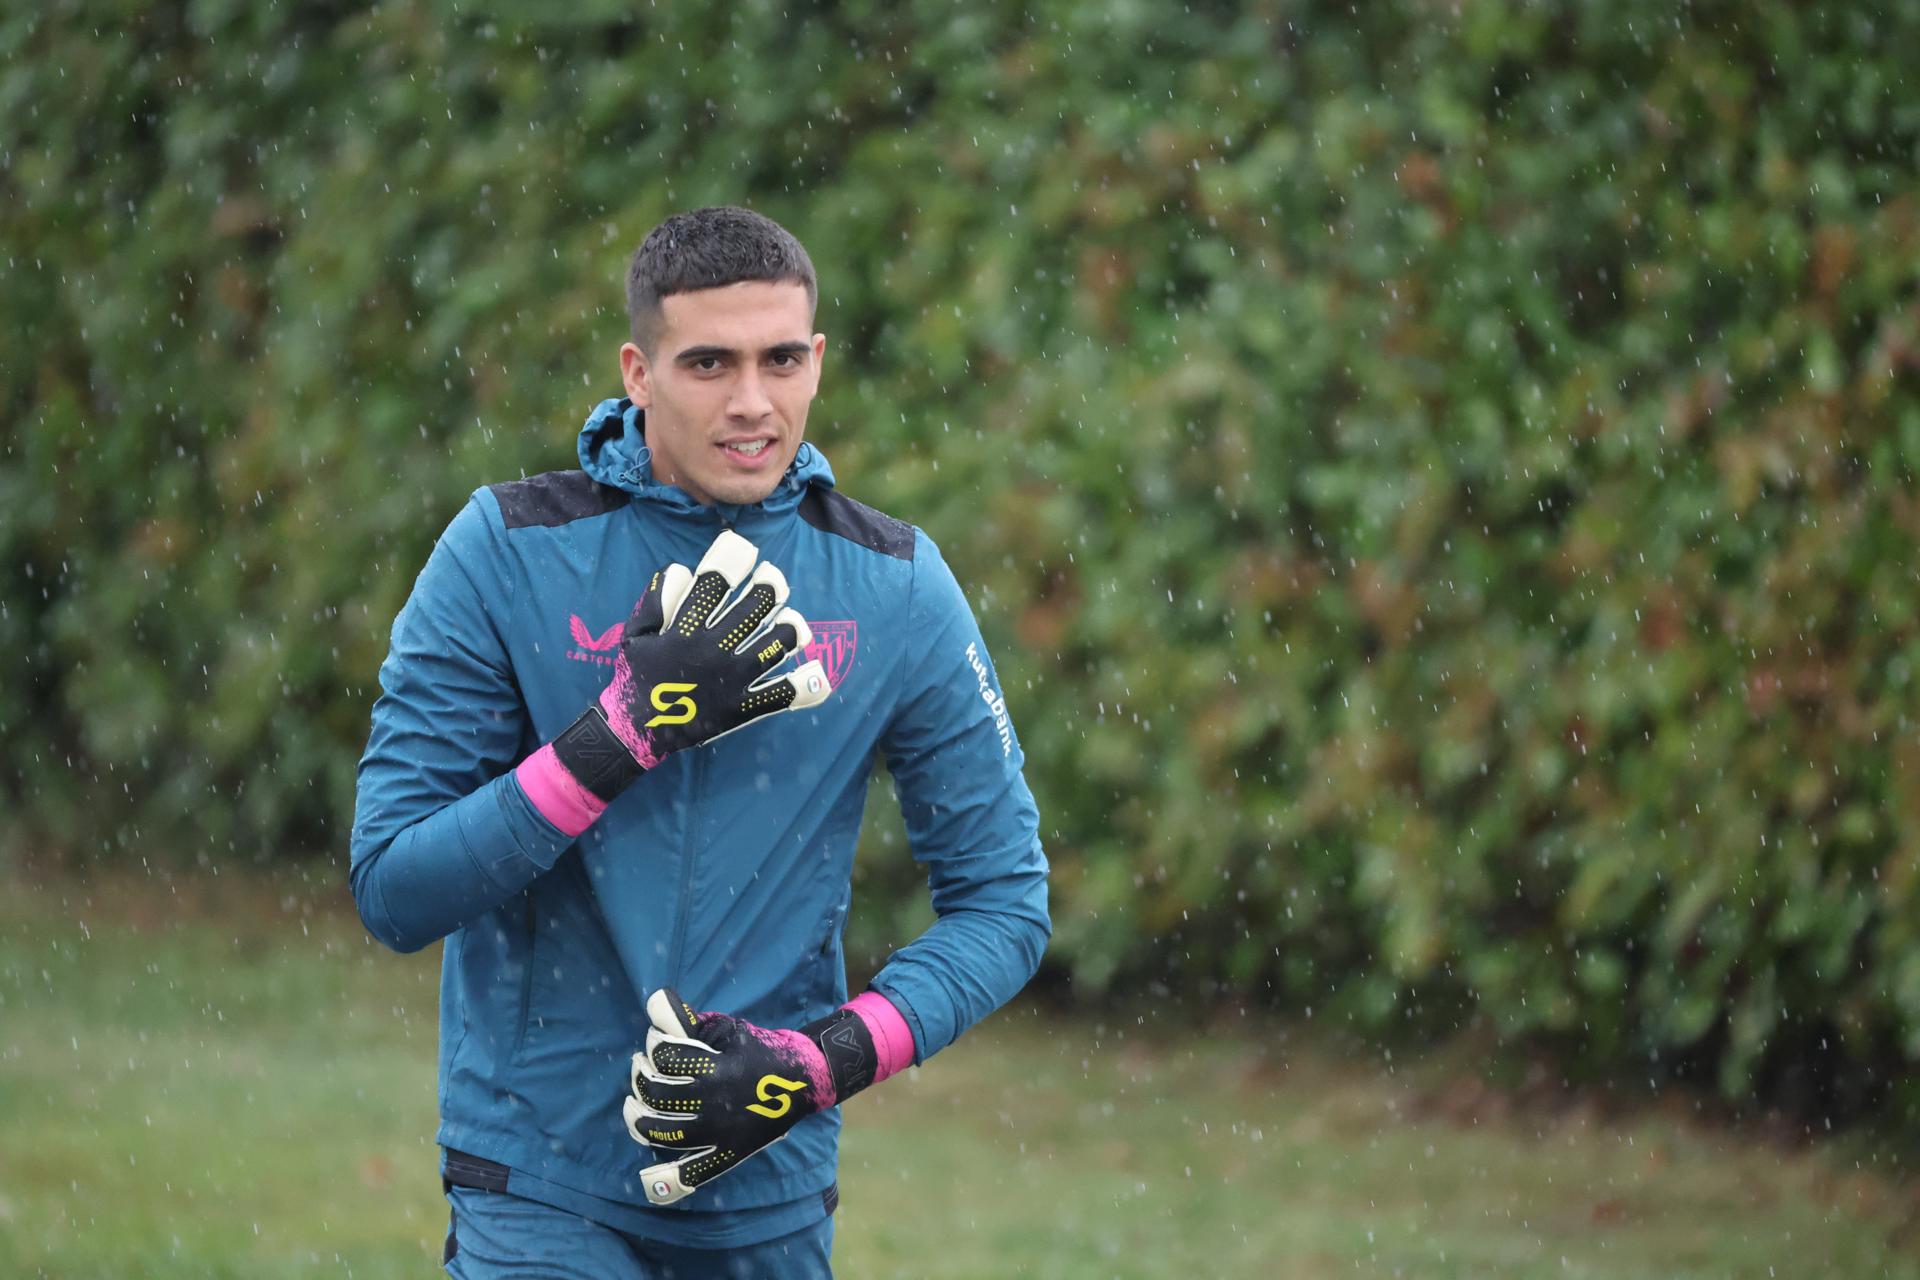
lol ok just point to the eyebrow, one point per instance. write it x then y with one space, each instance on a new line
692 354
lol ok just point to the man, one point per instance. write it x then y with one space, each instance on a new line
546 786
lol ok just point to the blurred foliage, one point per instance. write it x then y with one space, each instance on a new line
1438 479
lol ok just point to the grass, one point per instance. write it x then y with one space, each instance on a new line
219 1077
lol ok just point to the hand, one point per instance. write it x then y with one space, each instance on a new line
711 1090
683 676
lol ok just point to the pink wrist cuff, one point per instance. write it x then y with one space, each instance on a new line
892 1040
558 796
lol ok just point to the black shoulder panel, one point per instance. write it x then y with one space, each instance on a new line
833 512
556 498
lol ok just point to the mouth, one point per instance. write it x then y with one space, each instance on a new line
749 452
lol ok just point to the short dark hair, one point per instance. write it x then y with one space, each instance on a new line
705 249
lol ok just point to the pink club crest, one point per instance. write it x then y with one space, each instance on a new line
833 647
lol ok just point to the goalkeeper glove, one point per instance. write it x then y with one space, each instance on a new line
684 675
711 1090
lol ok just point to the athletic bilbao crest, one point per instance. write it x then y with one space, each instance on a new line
833 646
588 647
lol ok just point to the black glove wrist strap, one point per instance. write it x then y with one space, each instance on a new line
595 756
851 1058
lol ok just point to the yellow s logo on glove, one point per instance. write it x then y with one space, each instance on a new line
783 1100
678 711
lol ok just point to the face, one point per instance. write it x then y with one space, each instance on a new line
727 387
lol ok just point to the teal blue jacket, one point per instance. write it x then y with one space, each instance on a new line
724 872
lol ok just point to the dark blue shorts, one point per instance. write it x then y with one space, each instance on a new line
497 1236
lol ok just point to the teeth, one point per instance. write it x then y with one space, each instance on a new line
751 450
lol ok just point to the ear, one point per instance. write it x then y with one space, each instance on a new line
819 354
636 375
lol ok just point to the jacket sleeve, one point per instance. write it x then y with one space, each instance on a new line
969 818
442 831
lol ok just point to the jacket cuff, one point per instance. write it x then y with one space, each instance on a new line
533 840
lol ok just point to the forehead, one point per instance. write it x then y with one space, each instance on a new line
744 316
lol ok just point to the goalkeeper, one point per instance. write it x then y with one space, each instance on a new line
619 763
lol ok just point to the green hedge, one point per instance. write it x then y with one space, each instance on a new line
1439 485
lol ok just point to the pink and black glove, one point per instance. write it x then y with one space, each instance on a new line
682 677
711 1090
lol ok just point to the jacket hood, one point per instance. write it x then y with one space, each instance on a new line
613 450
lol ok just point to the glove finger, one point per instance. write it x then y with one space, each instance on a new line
810 686
646 1074
805 686
666 1183
742 628
675 1059
765 592
722 569
671 1015
659 1131
786 633
669 591
665 1094
674 1054
647 616
636 1113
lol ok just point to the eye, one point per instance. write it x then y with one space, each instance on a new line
785 360
706 364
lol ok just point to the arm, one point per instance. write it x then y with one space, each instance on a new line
970 819
442 830
710 1089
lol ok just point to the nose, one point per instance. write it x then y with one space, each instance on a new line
749 401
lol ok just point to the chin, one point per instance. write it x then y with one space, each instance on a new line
743 495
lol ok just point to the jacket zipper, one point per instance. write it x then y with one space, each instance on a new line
683 906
